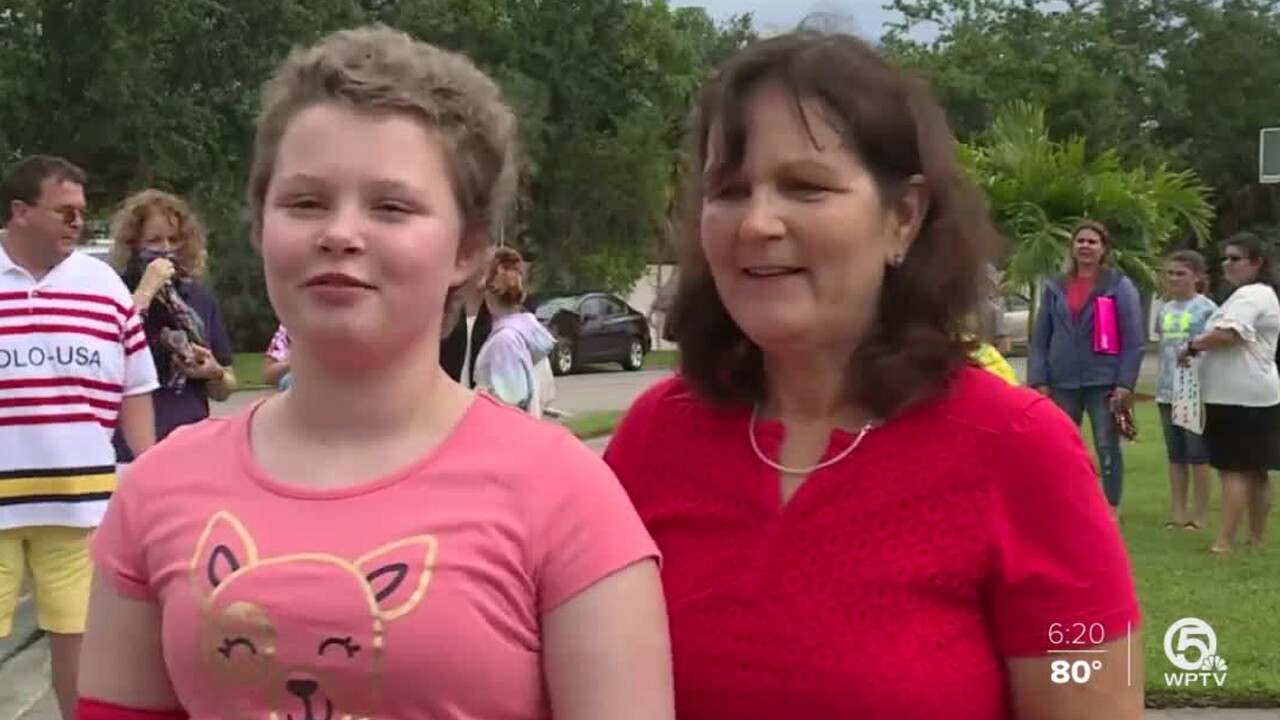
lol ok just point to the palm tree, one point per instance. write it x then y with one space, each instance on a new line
1039 188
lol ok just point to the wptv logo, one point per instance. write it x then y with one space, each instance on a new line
1191 645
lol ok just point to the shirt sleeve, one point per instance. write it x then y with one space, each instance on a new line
1132 344
117 545
139 367
584 526
1240 312
1061 563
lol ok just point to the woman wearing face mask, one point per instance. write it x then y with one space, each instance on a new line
159 247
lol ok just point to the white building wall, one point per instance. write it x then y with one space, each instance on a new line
645 293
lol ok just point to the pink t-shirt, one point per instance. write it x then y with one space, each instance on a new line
417 595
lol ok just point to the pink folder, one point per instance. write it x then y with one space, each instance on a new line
1106 327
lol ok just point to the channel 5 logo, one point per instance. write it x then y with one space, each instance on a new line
1191 645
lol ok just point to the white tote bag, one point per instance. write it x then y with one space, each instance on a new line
1188 405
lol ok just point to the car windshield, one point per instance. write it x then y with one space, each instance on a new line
548 309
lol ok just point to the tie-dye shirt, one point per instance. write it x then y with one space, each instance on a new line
506 364
415 596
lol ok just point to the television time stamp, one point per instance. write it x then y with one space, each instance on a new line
1078 651
1191 646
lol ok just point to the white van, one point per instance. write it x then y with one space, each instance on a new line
98 247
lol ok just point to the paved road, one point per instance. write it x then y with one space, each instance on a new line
614 390
604 390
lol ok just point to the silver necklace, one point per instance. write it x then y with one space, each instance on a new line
751 433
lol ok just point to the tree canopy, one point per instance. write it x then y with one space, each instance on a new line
1146 111
164 94
1186 83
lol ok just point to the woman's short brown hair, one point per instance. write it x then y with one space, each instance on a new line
376 69
891 122
126 230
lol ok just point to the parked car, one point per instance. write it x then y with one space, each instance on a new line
1017 320
594 328
98 247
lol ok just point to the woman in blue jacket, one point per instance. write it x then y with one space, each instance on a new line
1087 346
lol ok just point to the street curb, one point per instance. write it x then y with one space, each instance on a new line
24 679
24 632
20 645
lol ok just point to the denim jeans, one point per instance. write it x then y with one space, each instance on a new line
1093 401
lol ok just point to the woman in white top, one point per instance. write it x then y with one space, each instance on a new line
1241 388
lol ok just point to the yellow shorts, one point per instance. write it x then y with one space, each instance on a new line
61 571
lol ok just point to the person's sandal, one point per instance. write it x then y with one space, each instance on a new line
1172 525
1193 525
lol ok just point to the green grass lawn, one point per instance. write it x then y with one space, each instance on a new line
593 424
661 360
248 369
1178 578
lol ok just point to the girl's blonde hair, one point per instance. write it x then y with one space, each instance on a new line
126 230
376 69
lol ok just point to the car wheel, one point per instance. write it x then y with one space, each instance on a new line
635 356
562 360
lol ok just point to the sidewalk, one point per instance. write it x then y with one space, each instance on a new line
24 685
24 628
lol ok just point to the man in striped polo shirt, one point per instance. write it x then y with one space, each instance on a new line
74 365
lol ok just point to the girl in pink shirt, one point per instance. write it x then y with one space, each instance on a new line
377 541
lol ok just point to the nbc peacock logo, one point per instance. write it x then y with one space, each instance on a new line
1191 646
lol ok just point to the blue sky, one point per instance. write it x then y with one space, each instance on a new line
867 18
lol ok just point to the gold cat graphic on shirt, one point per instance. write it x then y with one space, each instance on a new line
301 636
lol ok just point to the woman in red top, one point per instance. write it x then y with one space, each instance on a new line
856 523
